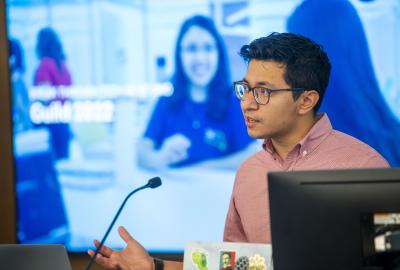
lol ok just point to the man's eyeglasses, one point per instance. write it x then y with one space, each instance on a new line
261 94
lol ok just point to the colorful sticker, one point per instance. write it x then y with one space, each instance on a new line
257 262
227 260
242 263
199 259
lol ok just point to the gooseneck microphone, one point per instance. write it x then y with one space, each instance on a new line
152 183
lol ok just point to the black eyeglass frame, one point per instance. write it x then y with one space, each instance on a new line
269 91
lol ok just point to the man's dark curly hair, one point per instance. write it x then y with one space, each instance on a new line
307 65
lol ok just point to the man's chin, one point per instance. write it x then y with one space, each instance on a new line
255 135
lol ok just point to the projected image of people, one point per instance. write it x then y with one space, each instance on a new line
201 120
20 95
353 99
52 71
37 187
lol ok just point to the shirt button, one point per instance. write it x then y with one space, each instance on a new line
305 153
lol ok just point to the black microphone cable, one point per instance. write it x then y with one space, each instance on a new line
152 183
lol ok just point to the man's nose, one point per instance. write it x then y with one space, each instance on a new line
248 101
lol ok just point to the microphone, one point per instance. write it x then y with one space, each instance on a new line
152 183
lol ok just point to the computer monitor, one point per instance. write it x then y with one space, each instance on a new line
335 219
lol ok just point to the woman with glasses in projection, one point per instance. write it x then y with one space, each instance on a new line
201 120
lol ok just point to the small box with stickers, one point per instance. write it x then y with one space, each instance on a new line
227 256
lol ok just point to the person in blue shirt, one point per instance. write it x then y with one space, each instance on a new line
201 120
20 96
353 100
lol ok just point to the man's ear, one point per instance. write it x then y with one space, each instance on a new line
307 101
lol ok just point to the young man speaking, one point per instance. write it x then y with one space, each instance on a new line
280 94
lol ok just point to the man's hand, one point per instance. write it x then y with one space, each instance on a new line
133 257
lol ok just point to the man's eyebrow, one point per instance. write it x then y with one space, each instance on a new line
261 83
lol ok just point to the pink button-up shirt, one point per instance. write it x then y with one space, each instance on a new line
248 217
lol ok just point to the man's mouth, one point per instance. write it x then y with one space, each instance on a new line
250 121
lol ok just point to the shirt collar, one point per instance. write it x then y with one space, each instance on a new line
314 137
